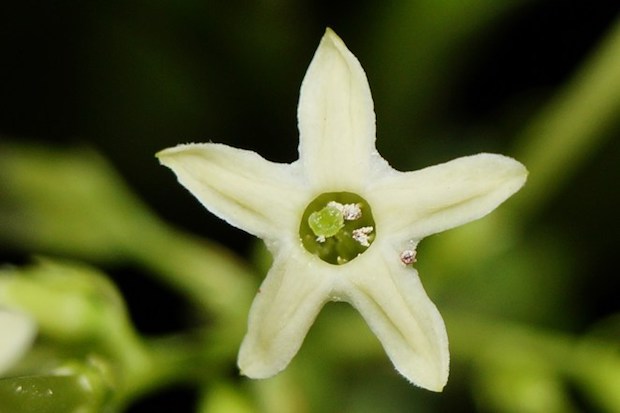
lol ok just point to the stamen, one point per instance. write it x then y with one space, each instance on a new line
350 212
337 205
361 235
407 257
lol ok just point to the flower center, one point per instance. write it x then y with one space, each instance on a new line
337 227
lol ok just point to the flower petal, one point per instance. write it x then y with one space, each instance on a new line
285 307
420 203
393 302
17 331
336 118
239 186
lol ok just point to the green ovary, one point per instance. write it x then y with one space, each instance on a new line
337 227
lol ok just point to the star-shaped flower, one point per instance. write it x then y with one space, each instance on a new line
342 225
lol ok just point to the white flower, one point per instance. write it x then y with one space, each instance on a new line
17 331
315 256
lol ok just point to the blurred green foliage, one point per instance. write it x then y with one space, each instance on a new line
526 292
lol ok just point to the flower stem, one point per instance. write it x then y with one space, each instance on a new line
572 126
211 276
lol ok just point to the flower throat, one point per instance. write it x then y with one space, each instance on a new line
337 227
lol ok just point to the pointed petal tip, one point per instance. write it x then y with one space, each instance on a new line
255 368
332 36
332 40
517 166
430 374
167 152
514 169
435 381
173 156
250 372
511 174
161 156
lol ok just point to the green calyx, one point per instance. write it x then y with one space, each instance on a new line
337 227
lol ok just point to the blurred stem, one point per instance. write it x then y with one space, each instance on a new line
597 370
208 274
557 143
141 366
593 365
473 336
156 363
572 126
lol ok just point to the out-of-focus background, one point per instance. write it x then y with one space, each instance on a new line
126 79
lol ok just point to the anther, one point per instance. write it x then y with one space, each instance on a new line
361 235
407 257
350 212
